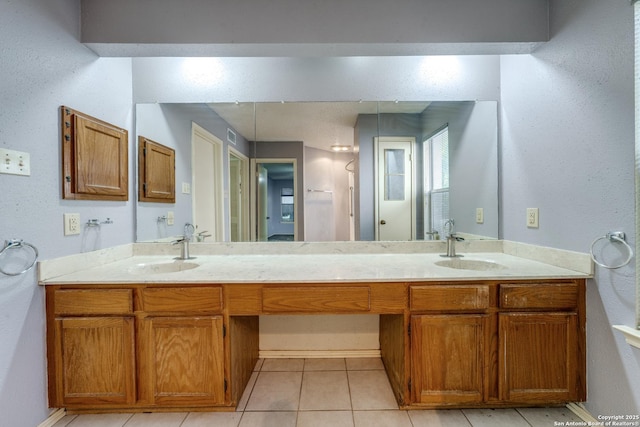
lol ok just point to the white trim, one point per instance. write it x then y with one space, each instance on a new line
631 335
317 354
581 411
54 418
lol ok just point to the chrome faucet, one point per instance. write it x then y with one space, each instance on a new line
451 240
201 236
434 234
184 242
184 248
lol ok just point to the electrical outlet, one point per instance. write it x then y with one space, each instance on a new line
71 224
479 215
532 217
170 218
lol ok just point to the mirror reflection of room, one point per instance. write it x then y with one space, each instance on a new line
340 184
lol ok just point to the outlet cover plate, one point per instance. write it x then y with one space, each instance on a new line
532 218
71 224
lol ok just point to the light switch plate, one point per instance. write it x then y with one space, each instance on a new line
15 162
186 188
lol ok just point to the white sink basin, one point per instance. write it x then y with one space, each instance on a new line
470 264
163 267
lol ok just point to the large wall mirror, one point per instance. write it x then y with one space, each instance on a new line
325 171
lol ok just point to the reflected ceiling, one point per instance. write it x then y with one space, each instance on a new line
317 124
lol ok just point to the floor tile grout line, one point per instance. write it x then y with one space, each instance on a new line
466 418
300 390
523 417
184 419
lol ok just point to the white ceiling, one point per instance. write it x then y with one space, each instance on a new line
316 124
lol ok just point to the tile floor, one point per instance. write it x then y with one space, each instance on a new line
325 393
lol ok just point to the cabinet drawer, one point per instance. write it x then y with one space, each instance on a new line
93 301
539 295
449 297
316 299
205 299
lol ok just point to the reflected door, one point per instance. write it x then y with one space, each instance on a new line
394 190
238 197
207 183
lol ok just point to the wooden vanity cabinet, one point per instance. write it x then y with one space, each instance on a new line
146 347
181 347
91 344
542 342
136 348
448 334
497 344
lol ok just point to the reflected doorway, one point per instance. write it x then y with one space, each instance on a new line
238 196
276 211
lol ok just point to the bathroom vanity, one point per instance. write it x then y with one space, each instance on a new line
140 332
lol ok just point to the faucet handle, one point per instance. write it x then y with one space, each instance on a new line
449 223
181 239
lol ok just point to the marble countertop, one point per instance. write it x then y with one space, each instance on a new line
225 264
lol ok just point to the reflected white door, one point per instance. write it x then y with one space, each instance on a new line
207 183
395 195
238 197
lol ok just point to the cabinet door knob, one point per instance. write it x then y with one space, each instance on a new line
383 222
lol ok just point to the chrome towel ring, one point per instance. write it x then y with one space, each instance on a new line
18 244
614 237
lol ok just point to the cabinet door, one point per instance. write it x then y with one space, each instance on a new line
447 353
94 158
96 361
156 172
183 361
538 357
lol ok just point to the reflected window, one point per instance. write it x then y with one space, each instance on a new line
437 181
394 174
286 205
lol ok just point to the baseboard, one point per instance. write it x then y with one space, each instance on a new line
581 411
317 354
53 418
